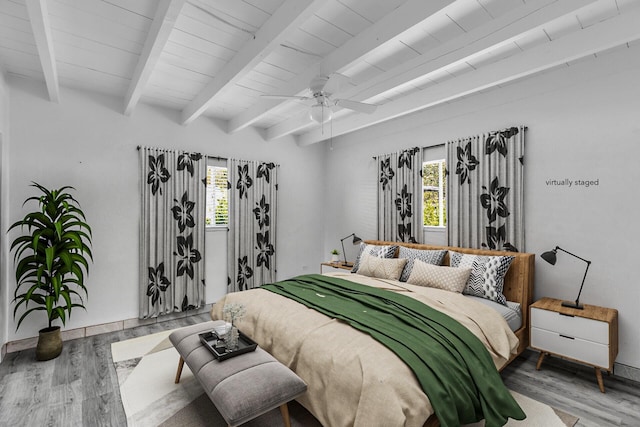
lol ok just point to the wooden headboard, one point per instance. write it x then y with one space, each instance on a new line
518 283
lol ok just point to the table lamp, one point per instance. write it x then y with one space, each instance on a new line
356 240
550 257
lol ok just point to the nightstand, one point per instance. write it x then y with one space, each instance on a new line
338 265
588 336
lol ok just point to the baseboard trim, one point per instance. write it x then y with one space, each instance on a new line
626 371
87 331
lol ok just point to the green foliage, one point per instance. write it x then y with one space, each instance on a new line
217 200
51 260
431 214
222 211
431 204
431 174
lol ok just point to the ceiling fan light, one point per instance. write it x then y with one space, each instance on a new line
320 114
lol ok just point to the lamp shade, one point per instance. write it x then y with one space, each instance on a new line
320 113
356 240
549 256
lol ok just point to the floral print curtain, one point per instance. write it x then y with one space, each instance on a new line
172 231
400 196
253 211
486 190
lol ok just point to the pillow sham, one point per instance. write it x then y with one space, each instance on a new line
434 257
453 279
382 268
487 274
380 251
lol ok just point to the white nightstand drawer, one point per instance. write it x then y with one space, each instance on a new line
573 326
585 351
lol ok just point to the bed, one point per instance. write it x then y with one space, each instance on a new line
354 380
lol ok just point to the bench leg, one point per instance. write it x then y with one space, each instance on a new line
284 410
179 373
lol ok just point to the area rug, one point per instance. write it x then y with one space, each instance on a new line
146 368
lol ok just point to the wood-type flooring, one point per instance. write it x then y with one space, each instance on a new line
80 387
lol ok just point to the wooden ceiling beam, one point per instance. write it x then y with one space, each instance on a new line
40 25
289 16
597 38
401 19
163 23
498 32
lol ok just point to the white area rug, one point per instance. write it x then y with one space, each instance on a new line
146 368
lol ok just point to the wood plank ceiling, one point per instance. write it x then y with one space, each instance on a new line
217 58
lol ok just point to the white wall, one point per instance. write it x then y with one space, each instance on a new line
584 123
4 291
87 143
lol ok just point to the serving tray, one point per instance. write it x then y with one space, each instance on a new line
218 348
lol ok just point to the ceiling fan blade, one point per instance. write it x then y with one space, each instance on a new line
301 98
336 83
360 107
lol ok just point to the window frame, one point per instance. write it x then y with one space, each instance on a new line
441 198
216 227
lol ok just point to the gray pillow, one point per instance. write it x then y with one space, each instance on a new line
487 274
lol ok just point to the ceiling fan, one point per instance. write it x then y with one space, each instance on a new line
322 87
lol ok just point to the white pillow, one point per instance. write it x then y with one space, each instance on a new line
381 251
441 277
382 268
434 257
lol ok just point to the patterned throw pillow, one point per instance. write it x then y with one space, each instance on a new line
383 268
380 251
434 257
453 279
487 274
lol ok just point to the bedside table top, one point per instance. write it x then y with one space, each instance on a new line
595 312
338 264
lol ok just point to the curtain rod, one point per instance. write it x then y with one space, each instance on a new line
207 156
422 148
442 144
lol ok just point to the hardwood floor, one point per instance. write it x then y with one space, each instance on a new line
572 388
80 387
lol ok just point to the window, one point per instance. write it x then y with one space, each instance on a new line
434 201
217 197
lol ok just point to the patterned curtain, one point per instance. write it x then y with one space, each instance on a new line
400 196
172 231
253 212
486 192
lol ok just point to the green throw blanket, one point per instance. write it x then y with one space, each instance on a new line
453 367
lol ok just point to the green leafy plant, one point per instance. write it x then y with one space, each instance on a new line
335 252
52 259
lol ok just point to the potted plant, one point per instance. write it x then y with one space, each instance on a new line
335 255
51 263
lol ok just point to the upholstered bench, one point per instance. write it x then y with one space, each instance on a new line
242 387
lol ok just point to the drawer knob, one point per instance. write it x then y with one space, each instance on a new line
567 315
567 337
